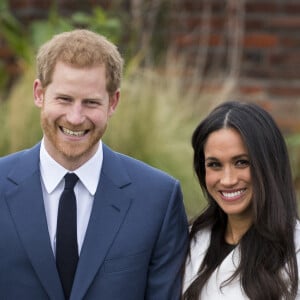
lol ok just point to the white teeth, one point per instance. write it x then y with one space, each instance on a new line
233 194
73 133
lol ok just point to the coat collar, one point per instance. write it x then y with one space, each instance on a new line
111 204
25 201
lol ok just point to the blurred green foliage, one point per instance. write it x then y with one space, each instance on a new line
24 40
293 144
154 123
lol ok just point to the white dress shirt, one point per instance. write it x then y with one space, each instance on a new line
52 180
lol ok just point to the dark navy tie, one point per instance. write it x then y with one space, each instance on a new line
66 235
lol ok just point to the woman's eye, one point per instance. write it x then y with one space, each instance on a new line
243 163
213 164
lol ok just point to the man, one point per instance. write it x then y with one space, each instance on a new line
130 224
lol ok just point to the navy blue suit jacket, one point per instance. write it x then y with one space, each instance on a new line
135 242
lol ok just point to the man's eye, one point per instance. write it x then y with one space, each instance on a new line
64 99
92 103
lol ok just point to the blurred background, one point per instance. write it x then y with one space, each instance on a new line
183 57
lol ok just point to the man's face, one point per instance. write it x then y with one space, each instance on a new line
75 108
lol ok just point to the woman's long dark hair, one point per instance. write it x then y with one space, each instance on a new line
267 248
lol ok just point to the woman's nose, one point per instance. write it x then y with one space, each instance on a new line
228 177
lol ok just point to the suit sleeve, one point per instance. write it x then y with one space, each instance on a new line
165 270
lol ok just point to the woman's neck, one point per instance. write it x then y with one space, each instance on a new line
236 228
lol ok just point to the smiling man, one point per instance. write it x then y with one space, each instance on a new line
75 110
78 220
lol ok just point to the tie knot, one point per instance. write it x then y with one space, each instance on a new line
70 180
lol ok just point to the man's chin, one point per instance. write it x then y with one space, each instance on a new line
71 153
76 153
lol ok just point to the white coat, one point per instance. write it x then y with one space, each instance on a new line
212 290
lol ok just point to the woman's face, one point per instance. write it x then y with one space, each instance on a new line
227 172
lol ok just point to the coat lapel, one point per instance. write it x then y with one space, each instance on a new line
25 200
111 203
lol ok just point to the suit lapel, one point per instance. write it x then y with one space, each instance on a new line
25 200
111 204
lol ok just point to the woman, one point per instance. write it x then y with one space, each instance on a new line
245 245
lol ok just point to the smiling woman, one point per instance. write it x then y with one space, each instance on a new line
228 179
244 244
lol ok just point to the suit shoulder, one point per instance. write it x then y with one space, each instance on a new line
143 167
7 162
10 159
135 166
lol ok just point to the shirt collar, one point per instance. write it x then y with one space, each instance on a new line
52 172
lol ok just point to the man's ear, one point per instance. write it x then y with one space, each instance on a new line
38 93
113 102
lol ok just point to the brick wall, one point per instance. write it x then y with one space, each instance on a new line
257 42
26 10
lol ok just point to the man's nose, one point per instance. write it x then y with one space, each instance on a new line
75 114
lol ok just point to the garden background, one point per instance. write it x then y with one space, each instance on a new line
183 57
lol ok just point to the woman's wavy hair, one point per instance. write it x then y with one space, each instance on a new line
268 265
